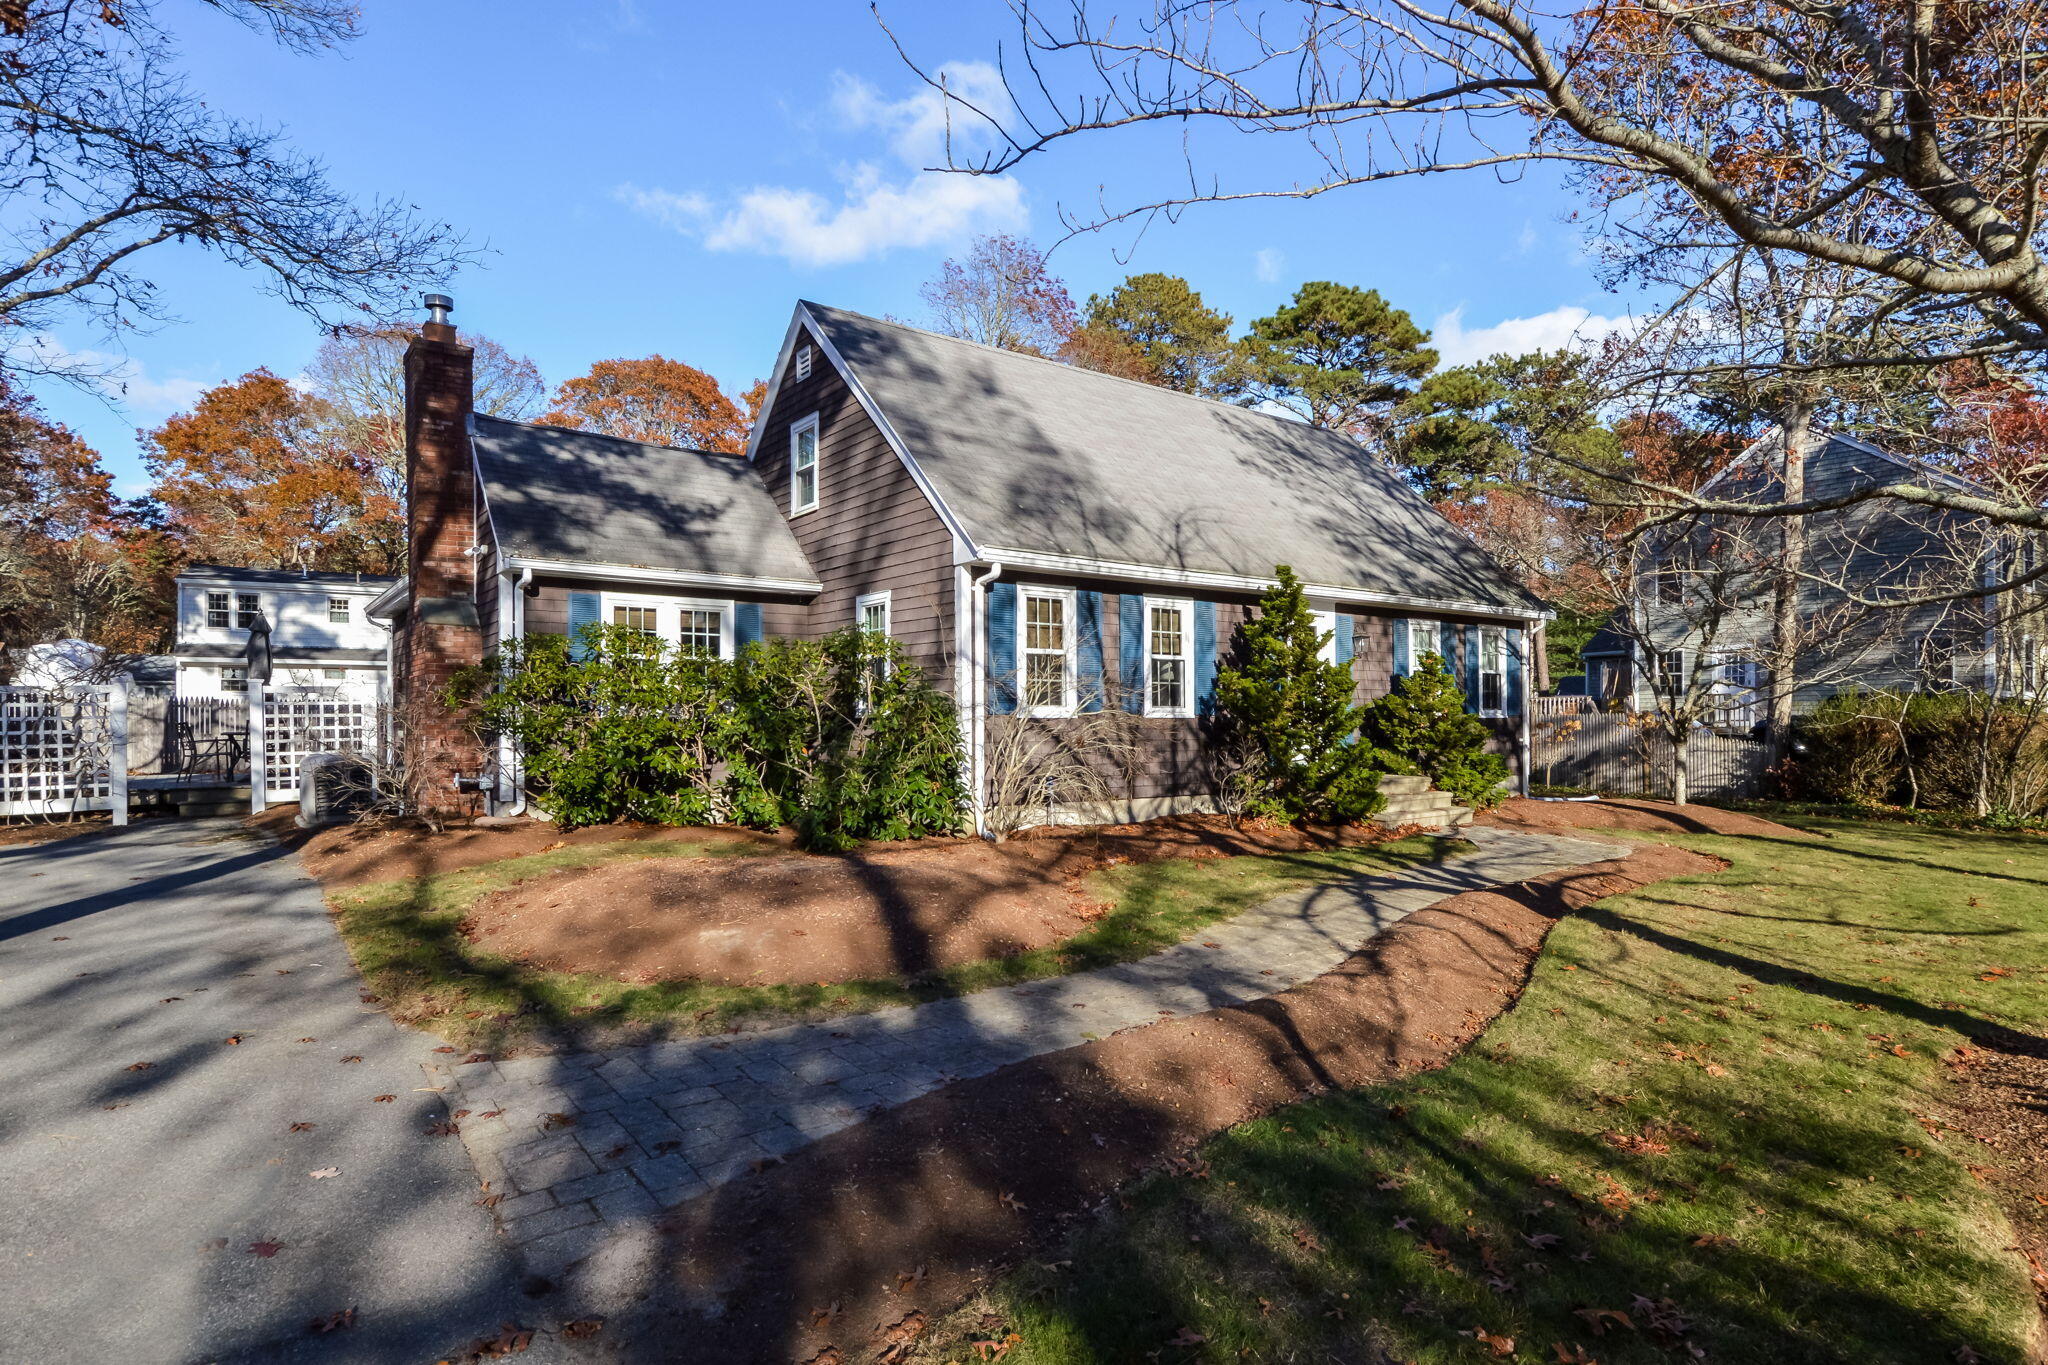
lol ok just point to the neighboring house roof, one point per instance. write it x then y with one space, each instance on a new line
1843 463
557 494
1606 641
154 670
285 654
286 578
1029 455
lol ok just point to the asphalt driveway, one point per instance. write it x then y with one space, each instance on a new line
143 1154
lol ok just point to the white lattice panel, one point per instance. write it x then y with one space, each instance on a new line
313 721
54 751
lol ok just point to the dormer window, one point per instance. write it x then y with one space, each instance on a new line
803 362
803 466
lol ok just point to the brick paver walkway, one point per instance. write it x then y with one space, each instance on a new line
656 1125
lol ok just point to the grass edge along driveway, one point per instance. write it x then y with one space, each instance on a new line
406 938
1697 1136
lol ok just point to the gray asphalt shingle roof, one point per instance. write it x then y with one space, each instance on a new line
1038 456
554 493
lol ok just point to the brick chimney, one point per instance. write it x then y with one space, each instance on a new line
441 633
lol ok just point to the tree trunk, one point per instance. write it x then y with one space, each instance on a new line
1539 659
1681 766
1797 429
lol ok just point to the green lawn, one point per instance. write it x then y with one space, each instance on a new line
405 938
1697 1129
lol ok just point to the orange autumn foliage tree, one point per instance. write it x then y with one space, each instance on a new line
256 474
661 401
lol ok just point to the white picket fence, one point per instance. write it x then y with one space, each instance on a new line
67 751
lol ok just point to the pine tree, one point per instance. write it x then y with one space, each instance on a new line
1294 714
1423 721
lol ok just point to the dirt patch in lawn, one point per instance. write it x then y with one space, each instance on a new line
862 1240
895 911
350 855
1656 817
1993 1101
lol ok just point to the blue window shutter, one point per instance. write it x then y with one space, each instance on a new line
1402 666
1205 658
1130 651
1472 667
1002 647
1514 680
584 610
1088 686
746 624
1345 639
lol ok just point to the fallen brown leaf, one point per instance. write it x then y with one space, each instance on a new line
265 1249
339 1320
382 1099
138 1066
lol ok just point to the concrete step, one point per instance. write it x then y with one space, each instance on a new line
1403 784
1430 808
1458 817
193 810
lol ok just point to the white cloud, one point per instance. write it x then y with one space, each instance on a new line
873 210
1267 264
1568 326
118 377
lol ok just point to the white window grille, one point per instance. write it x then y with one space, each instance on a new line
217 617
234 679
803 466
337 610
248 606
1493 670
1047 646
1169 657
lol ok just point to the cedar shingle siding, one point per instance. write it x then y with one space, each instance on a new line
874 530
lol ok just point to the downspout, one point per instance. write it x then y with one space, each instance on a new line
508 757
977 747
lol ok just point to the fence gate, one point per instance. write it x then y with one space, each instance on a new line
1577 745
63 751
294 722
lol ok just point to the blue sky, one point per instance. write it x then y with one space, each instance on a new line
672 177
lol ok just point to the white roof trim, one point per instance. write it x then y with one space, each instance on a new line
384 606
801 321
1204 578
633 573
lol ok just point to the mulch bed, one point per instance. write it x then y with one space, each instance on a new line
888 910
856 1244
1655 817
28 832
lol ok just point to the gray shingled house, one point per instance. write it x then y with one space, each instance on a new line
1870 550
1039 538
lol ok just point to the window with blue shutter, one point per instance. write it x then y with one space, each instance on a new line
584 610
1346 641
1205 658
1130 651
1402 665
1473 663
746 624
1515 638
1002 647
1089 685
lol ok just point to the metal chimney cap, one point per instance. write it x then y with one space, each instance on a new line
438 308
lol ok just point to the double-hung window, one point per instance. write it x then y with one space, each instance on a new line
803 466
644 621
1493 670
337 611
1169 657
1326 631
1671 679
1424 639
1046 647
701 631
247 607
217 610
694 627
234 679
871 615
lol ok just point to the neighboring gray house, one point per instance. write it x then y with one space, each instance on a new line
1039 538
1710 592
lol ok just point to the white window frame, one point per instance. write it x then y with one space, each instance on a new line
796 431
860 620
1067 704
226 608
347 611
1434 632
668 618
803 362
221 680
251 613
1186 607
1325 619
334 675
1498 636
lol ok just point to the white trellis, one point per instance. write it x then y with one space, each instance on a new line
64 751
290 723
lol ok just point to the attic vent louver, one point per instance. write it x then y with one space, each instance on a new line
803 362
